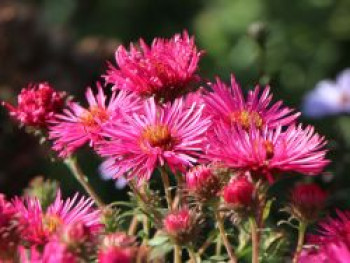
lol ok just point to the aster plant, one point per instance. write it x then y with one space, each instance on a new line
199 161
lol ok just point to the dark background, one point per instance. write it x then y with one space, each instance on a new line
67 42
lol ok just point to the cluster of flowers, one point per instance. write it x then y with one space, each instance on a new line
223 148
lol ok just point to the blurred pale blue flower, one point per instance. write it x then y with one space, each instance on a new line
107 172
329 97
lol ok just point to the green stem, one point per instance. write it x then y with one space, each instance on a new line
177 254
166 183
301 237
255 240
193 255
229 249
75 169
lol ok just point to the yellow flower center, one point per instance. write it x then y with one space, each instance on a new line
246 119
158 136
89 117
51 223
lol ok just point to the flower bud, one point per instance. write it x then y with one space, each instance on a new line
203 183
239 192
117 247
306 201
36 105
181 225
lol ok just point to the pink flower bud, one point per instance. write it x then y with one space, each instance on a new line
36 105
203 183
307 200
239 192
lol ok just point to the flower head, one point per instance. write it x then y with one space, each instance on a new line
335 252
228 105
39 226
329 97
181 225
269 151
36 105
239 192
203 182
306 201
78 125
333 229
166 69
172 135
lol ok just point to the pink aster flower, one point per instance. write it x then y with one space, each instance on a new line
37 104
333 229
166 69
78 125
228 105
330 252
38 225
172 135
268 152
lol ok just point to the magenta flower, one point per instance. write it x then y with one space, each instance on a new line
78 125
39 226
228 105
269 151
166 69
37 104
335 252
172 135
333 229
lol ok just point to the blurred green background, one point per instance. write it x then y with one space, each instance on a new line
67 42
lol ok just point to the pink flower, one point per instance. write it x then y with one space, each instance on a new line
38 225
78 125
166 69
239 192
228 105
333 229
306 201
269 151
330 252
9 230
37 104
172 135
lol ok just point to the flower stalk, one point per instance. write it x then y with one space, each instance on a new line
255 240
301 238
166 183
75 169
220 224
